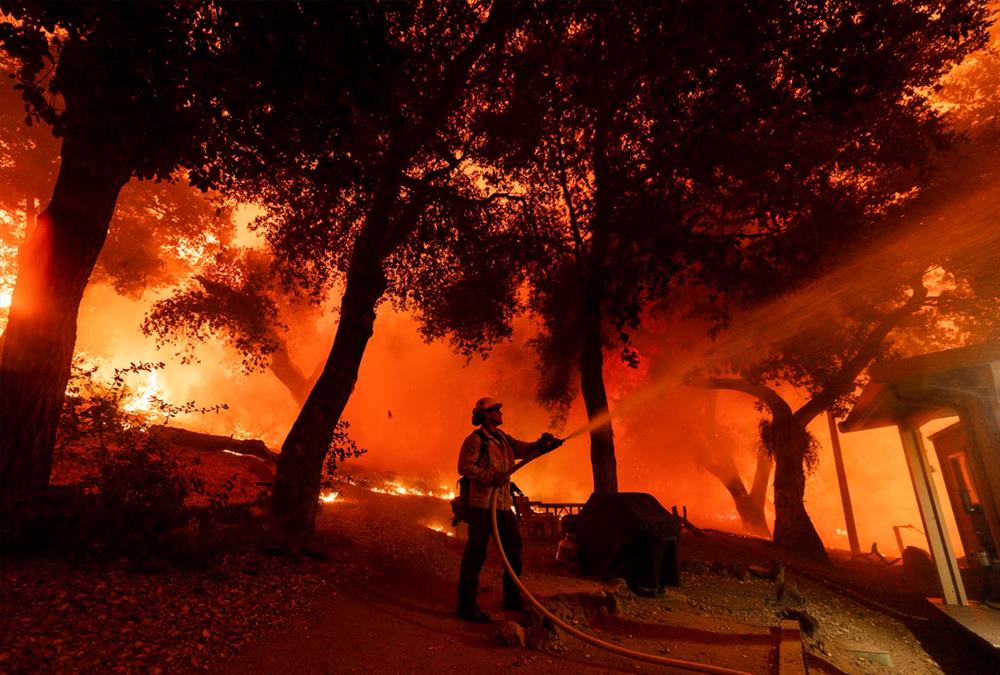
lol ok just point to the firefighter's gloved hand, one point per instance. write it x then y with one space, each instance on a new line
547 442
500 479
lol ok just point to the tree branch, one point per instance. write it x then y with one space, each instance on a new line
761 392
843 381
451 162
574 221
425 189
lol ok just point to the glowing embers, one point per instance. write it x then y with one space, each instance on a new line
329 497
437 527
397 488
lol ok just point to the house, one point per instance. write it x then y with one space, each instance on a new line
907 394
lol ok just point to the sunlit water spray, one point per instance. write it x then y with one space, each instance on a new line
964 234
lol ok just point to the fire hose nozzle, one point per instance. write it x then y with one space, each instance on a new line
550 442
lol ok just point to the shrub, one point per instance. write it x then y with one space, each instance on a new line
137 490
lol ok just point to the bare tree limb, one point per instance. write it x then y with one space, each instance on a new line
761 392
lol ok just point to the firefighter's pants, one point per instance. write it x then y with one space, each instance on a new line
480 530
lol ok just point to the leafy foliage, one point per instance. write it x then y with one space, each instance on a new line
161 231
136 482
234 298
127 93
810 457
342 448
667 145
454 241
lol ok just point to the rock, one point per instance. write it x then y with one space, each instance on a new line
612 604
697 567
542 639
572 608
720 568
619 587
542 634
512 634
869 653
789 595
741 572
671 595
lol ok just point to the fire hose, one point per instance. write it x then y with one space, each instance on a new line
580 635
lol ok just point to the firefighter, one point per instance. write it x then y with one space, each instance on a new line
487 459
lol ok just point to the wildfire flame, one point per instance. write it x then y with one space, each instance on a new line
329 497
397 488
440 528
142 402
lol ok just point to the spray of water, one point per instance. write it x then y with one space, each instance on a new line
966 233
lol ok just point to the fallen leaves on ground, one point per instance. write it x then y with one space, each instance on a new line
60 617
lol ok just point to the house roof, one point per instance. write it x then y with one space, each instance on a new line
922 388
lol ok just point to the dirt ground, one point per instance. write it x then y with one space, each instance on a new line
392 608
383 601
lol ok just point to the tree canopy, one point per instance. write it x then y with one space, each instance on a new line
468 161
126 89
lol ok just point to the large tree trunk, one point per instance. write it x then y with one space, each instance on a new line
595 399
300 465
751 516
196 440
789 442
750 505
754 519
388 222
793 529
718 457
56 261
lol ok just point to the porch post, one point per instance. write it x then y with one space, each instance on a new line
845 493
932 516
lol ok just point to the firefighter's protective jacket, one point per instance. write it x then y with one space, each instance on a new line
500 454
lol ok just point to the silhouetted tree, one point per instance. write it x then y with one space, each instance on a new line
368 179
662 140
119 84
716 452
240 299
159 228
931 284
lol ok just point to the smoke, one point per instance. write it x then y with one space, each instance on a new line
412 407
412 404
